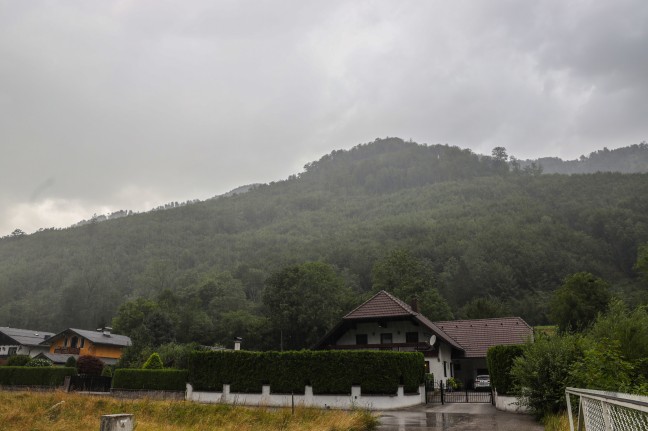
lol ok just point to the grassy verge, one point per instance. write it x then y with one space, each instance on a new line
557 422
58 411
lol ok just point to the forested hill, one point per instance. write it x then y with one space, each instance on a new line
474 227
627 160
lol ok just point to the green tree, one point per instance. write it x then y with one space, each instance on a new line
154 362
407 277
580 299
484 308
303 302
543 372
641 266
602 367
628 328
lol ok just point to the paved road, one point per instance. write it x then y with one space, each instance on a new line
455 417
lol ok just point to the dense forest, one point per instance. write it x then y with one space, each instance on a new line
627 160
470 235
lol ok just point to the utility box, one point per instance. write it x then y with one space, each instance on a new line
119 422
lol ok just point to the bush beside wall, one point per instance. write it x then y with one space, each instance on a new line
34 376
154 380
328 372
500 360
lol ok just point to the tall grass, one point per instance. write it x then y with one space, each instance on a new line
556 422
58 411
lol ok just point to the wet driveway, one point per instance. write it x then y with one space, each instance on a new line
455 417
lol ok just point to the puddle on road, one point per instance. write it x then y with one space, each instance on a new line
402 421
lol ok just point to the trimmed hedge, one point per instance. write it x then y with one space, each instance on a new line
154 380
500 360
34 376
328 372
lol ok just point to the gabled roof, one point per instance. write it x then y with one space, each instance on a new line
96 337
384 305
479 334
25 337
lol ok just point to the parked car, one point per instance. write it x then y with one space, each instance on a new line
482 382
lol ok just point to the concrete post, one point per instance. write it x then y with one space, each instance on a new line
226 392
119 422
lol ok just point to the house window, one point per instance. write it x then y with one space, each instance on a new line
386 338
74 342
445 371
82 343
411 337
65 342
451 369
12 351
361 339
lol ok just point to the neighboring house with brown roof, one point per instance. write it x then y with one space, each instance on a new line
476 336
14 341
451 348
384 322
101 343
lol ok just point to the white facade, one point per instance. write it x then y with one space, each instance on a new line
7 351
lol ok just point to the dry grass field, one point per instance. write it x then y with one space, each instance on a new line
58 411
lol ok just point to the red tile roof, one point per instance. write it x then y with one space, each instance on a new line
476 336
382 304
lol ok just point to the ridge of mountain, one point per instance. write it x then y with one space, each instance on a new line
483 229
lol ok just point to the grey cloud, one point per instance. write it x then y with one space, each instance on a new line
135 103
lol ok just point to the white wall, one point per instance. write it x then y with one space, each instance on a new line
342 401
398 329
23 350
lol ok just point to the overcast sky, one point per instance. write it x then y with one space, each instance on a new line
108 105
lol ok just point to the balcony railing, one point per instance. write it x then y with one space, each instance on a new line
68 350
401 347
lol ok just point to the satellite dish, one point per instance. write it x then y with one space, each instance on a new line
432 340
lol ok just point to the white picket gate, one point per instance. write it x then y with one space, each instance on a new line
607 411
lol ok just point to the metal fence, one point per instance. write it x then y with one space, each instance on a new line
606 411
440 393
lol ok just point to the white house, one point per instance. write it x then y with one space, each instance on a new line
384 322
455 348
15 341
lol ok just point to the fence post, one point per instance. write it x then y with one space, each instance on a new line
442 394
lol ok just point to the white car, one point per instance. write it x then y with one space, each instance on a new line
482 382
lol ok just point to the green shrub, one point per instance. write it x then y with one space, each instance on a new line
71 362
153 362
18 360
328 372
107 371
34 376
500 361
38 362
543 372
162 380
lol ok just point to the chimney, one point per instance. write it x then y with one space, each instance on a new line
106 331
415 305
237 343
